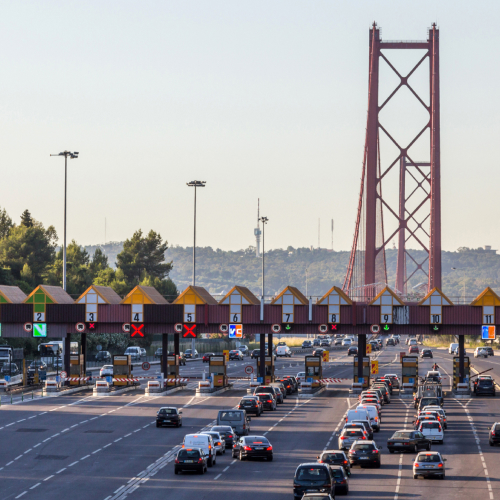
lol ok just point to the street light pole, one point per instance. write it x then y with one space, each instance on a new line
72 156
195 184
264 221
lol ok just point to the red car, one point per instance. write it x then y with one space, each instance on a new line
206 356
412 349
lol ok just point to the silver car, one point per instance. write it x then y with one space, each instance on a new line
429 464
348 436
219 442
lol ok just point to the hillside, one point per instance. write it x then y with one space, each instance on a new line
314 271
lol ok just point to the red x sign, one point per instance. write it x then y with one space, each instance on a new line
334 327
189 331
136 330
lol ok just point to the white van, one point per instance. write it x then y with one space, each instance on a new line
284 350
347 342
202 441
357 414
452 348
374 415
134 352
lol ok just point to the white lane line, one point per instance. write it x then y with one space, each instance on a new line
47 478
65 430
27 451
107 445
73 426
217 477
233 462
23 493
8 425
86 456
17 458
35 485
59 471
127 435
96 451
74 463
119 439
226 469
9 463
22 420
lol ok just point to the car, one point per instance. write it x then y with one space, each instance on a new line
318 352
341 479
283 351
191 459
392 378
158 352
413 349
433 376
346 342
289 388
494 434
244 350
406 440
280 385
106 371
251 404
294 382
227 433
317 496
134 352
103 356
352 351
432 430
255 354
169 415
41 366
237 419
307 344
206 357
426 353
324 343
434 401
316 342
253 447
219 443
364 453
440 411
278 394
375 345
427 415
489 350
348 436
235 354
143 352
452 347
337 342
429 464
335 457
188 353
182 358
204 442
390 341
268 401
301 376
455 351
10 369
366 426
484 385
313 477
480 352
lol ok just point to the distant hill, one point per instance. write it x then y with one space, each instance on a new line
313 271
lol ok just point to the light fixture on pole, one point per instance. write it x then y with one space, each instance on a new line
72 156
195 184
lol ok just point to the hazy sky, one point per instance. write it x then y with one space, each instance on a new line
260 99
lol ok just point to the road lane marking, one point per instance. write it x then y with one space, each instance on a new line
35 485
59 471
217 477
47 478
23 493
74 463
86 456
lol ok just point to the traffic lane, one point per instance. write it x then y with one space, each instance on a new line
113 448
296 439
464 471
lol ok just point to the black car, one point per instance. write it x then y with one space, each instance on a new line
188 354
288 385
318 352
235 354
103 356
227 434
489 350
268 401
252 405
390 341
426 353
494 435
255 353
40 366
335 457
316 342
313 477
294 381
364 453
10 369
169 415
191 460
307 344
375 345
341 479
253 447
408 441
353 350
484 385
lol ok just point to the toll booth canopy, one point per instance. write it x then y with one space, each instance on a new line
366 371
217 370
122 368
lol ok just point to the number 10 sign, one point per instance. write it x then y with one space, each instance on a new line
235 331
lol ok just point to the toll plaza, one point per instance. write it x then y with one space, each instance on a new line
172 374
460 376
409 372
269 369
217 370
122 370
366 371
314 370
76 369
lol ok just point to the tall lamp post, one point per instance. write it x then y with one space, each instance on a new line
262 353
72 156
195 184
264 221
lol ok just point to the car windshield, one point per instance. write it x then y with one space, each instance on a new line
429 458
187 454
168 411
430 425
188 351
312 474
402 435
326 457
230 415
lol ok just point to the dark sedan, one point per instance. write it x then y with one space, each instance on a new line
364 453
169 416
353 350
312 477
489 350
251 404
288 385
253 447
426 353
226 433
335 457
318 352
268 401
408 441
484 385
191 460
340 478
494 435
255 354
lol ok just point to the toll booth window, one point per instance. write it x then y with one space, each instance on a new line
217 369
409 371
312 370
120 370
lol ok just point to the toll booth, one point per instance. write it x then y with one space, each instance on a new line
314 370
366 371
217 370
269 362
409 371
76 369
456 371
172 370
122 370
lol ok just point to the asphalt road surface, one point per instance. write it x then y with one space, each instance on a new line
82 447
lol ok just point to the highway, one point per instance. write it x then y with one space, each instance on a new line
84 447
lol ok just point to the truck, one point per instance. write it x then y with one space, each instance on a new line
6 354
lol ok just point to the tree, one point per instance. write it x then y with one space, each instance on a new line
99 262
26 219
143 255
34 246
5 223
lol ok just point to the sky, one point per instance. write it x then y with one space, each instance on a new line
262 99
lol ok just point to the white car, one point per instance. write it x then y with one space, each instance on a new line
347 342
480 352
301 377
452 348
106 371
433 430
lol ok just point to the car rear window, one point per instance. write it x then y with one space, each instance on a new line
428 458
348 432
312 474
337 473
430 425
168 411
402 435
364 447
231 415
332 456
189 454
256 440
486 383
